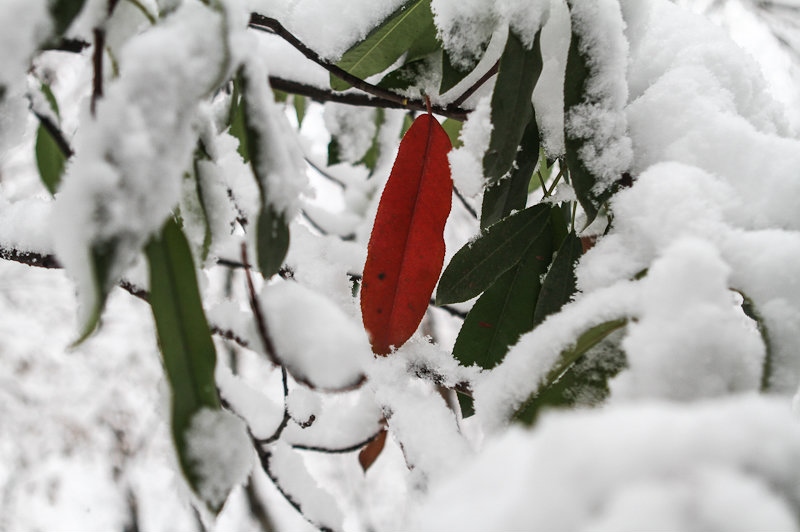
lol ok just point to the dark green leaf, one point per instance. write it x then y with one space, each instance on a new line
272 234
453 129
183 334
584 383
405 76
49 159
559 284
386 43
237 129
466 404
370 158
451 74
63 13
510 194
299 108
103 256
528 411
51 99
506 309
334 156
425 44
407 121
750 310
511 104
498 249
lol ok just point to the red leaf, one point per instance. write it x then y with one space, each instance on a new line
372 451
406 249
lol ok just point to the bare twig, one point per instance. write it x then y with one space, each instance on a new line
466 205
97 61
483 79
338 450
261 22
55 132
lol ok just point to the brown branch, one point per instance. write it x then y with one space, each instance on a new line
55 132
97 61
470 91
261 22
464 203
338 450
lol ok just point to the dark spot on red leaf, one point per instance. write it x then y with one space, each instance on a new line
382 276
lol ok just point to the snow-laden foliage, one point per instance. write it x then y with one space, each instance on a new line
619 349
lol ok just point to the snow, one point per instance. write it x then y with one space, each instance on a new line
466 163
334 356
318 506
599 119
220 453
126 175
659 465
25 25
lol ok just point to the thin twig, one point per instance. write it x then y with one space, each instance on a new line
466 205
325 174
261 323
483 79
55 132
337 450
262 22
97 61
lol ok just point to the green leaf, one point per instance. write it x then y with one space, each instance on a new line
386 43
102 257
237 120
559 284
51 99
184 337
451 74
64 13
272 234
466 404
370 158
49 159
510 194
750 310
511 104
498 249
550 392
299 108
506 309
425 44
334 156
453 129
405 76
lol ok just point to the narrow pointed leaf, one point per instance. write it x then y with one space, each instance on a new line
183 334
511 104
528 411
272 233
506 309
386 43
372 451
406 248
370 158
103 256
511 193
451 74
64 13
498 249
49 159
559 285
767 367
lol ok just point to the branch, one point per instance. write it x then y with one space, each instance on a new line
338 450
97 61
483 79
55 132
261 22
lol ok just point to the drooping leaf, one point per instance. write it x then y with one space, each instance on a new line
272 232
510 194
370 158
49 159
334 151
184 337
453 129
750 310
63 13
299 108
386 43
584 383
498 249
236 119
528 411
511 104
506 309
559 285
371 451
272 227
102 256
451 74
406 247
